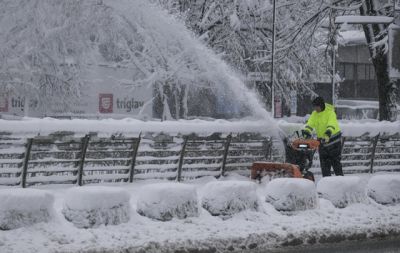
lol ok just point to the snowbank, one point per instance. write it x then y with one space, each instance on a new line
131 126
24 207
165 201
351 127
291 194
246 231
342 191
229 197
88 207
384 189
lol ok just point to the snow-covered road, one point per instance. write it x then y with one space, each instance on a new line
383 245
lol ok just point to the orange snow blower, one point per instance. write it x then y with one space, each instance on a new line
299 156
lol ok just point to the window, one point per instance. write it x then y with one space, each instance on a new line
340 70
349 71
372 72
361 72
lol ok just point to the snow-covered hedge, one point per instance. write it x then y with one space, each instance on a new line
224 198
342 191
292 194
88 207
24 207
165 201
384 189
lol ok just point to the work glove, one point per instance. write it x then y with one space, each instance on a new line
328 133
326 139
305 134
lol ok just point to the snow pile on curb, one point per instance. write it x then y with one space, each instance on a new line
24 207
89 207
292 194
229 197
384 189
342 191
166 201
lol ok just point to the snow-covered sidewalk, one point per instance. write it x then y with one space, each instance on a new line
246 230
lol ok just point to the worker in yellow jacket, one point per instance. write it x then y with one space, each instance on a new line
323 120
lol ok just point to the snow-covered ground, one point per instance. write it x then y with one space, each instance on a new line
254 224
250 229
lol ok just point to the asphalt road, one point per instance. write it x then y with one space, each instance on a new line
391 245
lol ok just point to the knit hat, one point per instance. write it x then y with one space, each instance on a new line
319 101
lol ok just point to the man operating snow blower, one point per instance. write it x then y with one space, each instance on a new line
323 120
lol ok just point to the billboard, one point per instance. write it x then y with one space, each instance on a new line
105 92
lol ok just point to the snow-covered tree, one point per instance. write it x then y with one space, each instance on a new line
377 39
47 47
242 32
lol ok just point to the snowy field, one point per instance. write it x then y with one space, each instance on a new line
253 225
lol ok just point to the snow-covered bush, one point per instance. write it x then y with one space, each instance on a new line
88 207
384 189
224 198
342 191
165 201
292 194
24 207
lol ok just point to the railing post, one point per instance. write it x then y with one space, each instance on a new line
85 144
26 161
225 156
374 143
270 148
181 156
134 154
343 141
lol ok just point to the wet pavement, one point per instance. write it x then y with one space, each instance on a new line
391 245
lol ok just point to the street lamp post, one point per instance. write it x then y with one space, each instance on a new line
333 56
273 59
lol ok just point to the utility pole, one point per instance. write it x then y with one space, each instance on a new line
332 43
273 59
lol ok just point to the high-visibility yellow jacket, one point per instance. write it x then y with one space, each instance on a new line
322 121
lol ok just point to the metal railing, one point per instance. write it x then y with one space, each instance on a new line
369 154
61 158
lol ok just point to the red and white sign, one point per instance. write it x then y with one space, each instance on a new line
3 103
106 103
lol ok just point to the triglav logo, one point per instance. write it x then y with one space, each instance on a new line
105 103
3 103
129 104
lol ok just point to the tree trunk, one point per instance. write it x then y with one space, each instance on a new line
386 87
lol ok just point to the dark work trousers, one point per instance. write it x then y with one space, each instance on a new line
330 156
